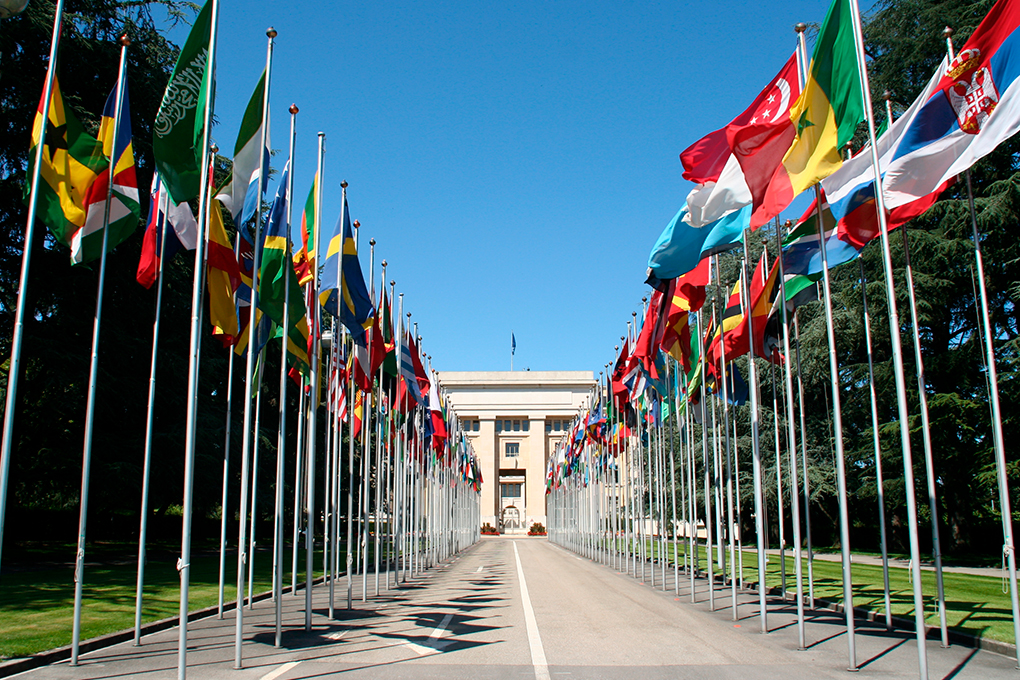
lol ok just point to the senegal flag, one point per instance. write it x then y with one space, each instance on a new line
825 115
71 162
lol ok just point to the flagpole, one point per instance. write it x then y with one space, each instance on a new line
246 442
897 352
26 259
90 408
259 370
791 446
278 523
993 392
161 211
226 457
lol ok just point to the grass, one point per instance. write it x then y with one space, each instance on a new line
37 596
975 605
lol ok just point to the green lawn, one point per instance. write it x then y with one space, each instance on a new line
36 602
975 605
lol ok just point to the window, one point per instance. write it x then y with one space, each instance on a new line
513 449
499 426
507 425
517 426
556 425
510 490
548 426
476 425
526 425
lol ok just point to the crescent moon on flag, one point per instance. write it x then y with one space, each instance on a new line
784 103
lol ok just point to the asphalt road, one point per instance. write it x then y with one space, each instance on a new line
522 609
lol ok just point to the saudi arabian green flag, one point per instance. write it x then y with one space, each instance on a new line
177 132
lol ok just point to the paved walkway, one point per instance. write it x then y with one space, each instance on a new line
518 609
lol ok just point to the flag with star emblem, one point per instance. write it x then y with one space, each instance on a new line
71 162
825 115
733 165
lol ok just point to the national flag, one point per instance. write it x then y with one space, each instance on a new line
124 208
679 248
733 165
304 259
850 191
439 432
223 277
975 107
513 343
180 122
802 247
277 275
182 233
356 310
676 340
242 193
408 380
825 115
654 328
733 316
71 161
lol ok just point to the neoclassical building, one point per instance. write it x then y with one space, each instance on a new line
514 420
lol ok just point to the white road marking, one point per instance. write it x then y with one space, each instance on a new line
339 634
479 570
534 639
435 645
272 675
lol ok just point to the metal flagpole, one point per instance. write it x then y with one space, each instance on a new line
879 484
204 206
729 488
993 394
26 259
897 353
278 521
162 197
366 442
804 464
260 368
791 446
246 438
226 469
90 409
781 519
759 503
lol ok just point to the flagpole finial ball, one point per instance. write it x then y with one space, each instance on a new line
788 224
887 95
384 261
392 282
371 242
947 31
9 8
617 346
409 313
644 299
343 184
124 40
214 148
357 225
271 32
293 109
800 27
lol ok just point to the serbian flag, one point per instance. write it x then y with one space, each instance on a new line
974 108
181 235
734 165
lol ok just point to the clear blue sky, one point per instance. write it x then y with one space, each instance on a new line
515 161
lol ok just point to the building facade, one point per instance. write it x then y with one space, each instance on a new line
514 419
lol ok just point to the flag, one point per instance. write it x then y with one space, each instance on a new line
182 234
733 165
241 194
179 125
71 161
356 311
850 191
439 432
124 209
802 248
825 115
277 275
304 259
513 343
678 249
223 277
974 108
653 329
408 374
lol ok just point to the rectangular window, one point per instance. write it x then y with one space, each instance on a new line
499 426
526 425
556 425
510 490
476 425
548 426
517 426
513 449
506 425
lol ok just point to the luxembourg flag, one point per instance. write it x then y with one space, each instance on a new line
976 106
183 233
850 191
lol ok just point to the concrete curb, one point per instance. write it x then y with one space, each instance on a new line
50 656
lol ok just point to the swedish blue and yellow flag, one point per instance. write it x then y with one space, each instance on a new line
342 278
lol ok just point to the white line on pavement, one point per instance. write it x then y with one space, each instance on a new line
479 569
432 647
272 675
534 639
